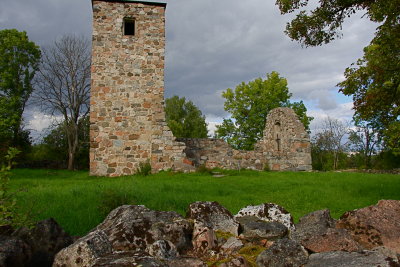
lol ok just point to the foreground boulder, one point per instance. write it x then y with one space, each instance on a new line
268 212
375 226
254 229
213 215
316 232
284 252
350 259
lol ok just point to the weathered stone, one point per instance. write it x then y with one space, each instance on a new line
331 240
313 224
128 259
163 250
85 251
204 238
268 212
254 229
14 252
46 239
236 262
375 226
350 259
213 215
284 252
186 262
233 244
137 227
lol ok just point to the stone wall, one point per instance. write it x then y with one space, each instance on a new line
285 146
127 94
217 153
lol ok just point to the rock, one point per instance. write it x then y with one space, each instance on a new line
214 215
350 259
284 252
204 238
163 250
14 252
268 212
331 240
186 262
254 229
131 227
85 251
128 259
375 226
46 239
236 262
233 244
313 224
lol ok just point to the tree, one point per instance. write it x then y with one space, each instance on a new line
249 105
19 61
331 140
184 119
323 24
64 86
365 140
374 83
373 80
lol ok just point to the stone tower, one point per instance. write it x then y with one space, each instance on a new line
127 120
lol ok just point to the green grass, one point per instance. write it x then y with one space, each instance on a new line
74 198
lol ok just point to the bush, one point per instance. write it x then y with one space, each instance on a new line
144 168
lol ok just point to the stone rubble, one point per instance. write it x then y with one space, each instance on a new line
138 236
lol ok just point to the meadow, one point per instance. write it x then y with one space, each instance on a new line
78 202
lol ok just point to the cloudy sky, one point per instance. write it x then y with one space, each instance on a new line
213 45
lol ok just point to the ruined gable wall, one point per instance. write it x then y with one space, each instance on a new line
285 141
285 146
127 94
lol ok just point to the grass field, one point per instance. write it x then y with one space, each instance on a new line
77 201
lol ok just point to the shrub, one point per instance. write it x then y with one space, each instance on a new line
144 168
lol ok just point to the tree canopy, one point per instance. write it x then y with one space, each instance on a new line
249 105
19 61
184 119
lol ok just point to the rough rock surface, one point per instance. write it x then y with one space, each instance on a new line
163 250
136 227
213 215
331 240
375 226
14 252
284 252
186 262
232 244
128 259
85 251
46 239
204 238
268 212
254 229
315 231
350 259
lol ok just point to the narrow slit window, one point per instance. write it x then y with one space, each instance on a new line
129 26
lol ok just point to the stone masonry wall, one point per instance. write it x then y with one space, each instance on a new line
285 146
217 153
127 94
286 143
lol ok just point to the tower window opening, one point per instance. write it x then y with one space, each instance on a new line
129 26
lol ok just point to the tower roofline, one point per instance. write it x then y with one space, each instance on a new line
135 1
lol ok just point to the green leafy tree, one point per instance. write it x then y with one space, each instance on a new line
19 61
184 119
249 105
374 80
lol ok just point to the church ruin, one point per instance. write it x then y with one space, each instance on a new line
127 119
